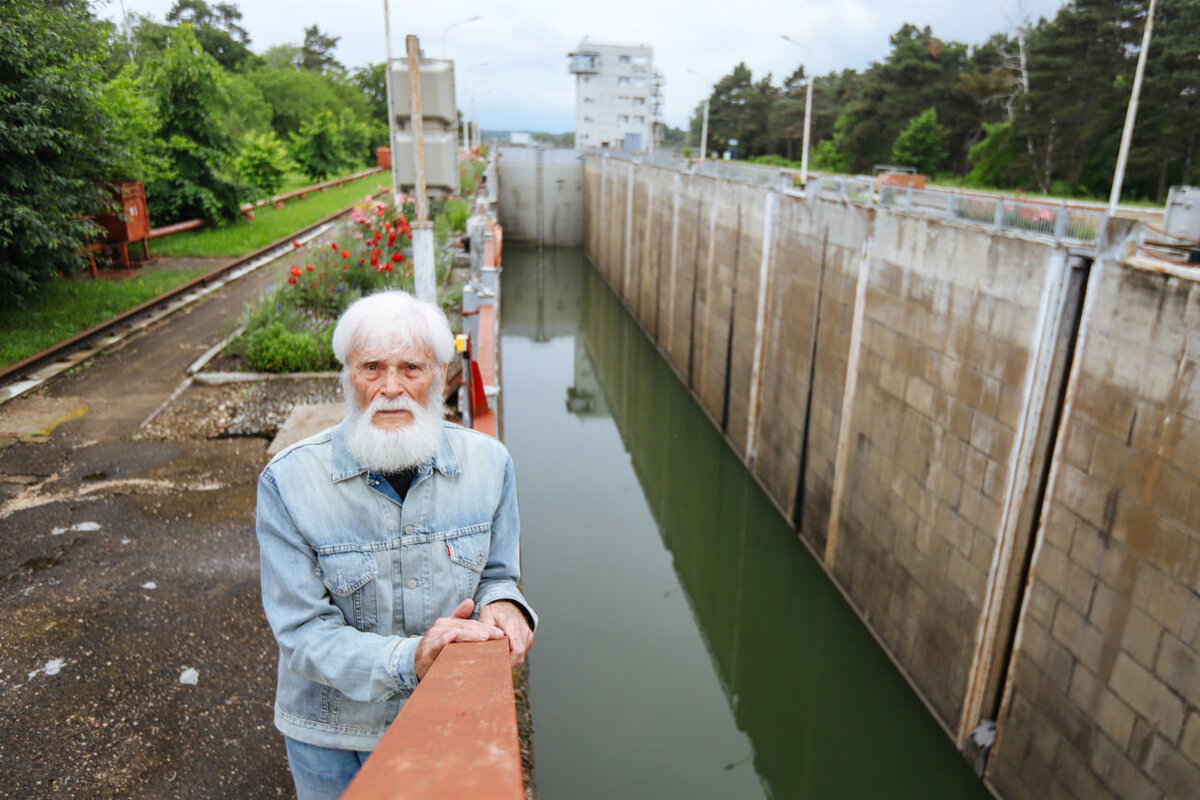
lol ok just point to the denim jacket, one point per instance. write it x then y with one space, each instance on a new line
351 577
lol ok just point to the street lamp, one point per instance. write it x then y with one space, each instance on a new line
470 93
704 123
455 25
808 101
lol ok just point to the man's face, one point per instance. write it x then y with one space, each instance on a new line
390 375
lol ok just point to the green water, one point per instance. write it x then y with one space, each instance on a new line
690 646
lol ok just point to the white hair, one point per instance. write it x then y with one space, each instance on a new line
393 319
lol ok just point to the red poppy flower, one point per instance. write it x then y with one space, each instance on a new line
374 261
387 267
295 243
345 254
295 271
333 245
397 256
309 267
292 281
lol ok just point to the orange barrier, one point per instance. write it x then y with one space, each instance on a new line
456 737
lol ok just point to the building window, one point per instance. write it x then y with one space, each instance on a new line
589 99
639 101
622 81
588 119
625 59
640 120
623 119
639 81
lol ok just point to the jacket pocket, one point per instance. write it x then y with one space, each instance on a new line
468 550
350 578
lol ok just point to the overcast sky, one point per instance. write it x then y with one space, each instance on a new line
513 62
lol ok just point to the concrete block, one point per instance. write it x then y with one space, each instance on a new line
1147 695
1170 770
1179 667
1083 641
1119 773
1084 495
1162 598
1189 744
1141 637
304 420
1175 498
1104 407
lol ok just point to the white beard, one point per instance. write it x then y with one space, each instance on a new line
388 451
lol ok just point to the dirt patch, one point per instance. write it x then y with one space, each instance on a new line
246 408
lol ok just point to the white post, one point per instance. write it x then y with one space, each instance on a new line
1131 114
387 76
422 229
807 127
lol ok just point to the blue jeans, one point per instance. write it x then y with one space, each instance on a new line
321 773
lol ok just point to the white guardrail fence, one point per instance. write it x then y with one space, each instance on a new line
1061 220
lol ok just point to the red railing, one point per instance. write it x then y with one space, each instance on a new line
456 737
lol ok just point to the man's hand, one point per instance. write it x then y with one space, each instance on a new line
508 616
458 627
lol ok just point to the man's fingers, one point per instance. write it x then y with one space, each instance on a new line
464 609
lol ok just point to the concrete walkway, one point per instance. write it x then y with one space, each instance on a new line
134 657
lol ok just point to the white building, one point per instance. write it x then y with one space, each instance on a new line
617 96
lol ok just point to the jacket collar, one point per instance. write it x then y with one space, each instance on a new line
345 465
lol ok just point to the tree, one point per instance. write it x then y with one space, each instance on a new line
317 148
316 54
371 81
187 85
922 143
217 28
56 141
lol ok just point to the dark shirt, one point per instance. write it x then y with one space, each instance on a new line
401 481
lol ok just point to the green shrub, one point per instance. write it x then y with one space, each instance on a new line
317 148
263 163
457 212
276 349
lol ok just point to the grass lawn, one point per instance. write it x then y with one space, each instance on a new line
60 309
269 223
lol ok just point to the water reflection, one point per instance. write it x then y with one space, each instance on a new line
691 646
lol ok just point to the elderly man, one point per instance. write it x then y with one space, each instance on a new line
380 538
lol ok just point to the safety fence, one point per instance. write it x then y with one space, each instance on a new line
1072 222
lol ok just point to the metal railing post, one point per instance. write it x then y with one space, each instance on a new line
1060 221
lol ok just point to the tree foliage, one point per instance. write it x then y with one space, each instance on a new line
57 143
187 86
1039 106
922 143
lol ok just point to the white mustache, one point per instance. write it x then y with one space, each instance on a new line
401 403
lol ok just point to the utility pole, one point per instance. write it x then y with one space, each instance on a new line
1131 114
422 229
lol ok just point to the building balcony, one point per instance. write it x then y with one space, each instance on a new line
583 63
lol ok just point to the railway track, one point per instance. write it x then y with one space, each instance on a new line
29 373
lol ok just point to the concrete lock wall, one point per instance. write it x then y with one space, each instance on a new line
561 195
896 384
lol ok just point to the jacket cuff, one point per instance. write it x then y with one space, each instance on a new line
403 668
493 593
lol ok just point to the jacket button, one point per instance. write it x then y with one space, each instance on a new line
412 583
479 560
408 529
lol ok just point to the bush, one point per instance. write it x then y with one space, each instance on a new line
263 163
457 212
317 148
274 348
771 160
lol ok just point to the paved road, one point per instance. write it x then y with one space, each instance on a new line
126 564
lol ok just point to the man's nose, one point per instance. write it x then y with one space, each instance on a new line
392 385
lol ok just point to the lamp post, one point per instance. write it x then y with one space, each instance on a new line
455 25
703 123
470 93
1131 114
387 76
808 101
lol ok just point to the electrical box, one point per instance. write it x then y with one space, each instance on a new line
441 162
439 123
1182 217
